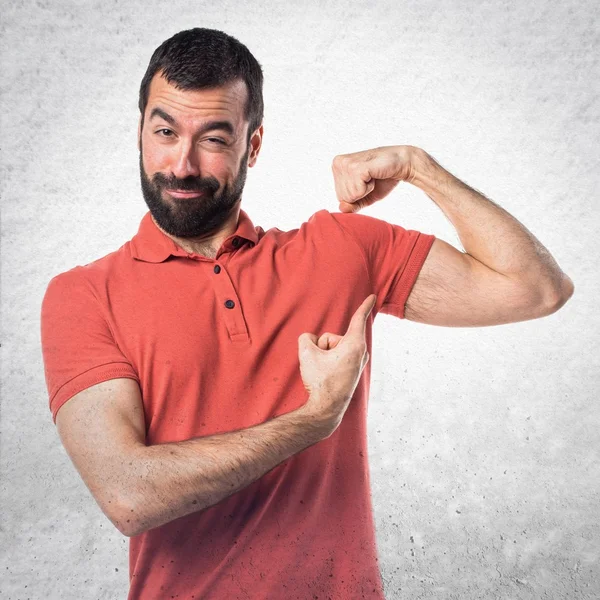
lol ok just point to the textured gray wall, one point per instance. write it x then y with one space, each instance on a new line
483 442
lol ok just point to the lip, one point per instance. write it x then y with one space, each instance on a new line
184 194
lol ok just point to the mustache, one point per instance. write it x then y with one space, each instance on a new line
188 184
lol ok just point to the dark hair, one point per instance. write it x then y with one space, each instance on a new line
203 58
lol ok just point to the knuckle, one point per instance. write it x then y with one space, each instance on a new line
338 161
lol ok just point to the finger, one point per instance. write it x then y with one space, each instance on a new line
369 186
336 168
354 200
328 341
340 179
346 207
334 340
306 340
359 319
323 341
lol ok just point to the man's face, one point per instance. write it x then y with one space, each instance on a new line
193 155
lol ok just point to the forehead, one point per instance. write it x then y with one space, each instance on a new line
226 101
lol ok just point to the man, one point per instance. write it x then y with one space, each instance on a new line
207 377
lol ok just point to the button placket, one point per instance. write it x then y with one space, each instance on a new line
229 302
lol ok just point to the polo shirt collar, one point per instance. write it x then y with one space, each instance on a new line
150 244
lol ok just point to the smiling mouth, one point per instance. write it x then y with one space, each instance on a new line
184 193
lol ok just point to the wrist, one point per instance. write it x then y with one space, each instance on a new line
428 174
315 421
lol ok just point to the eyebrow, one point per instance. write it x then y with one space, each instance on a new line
209 126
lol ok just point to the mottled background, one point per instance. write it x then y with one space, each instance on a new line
483 442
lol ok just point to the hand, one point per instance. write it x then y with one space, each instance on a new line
363 178
331 366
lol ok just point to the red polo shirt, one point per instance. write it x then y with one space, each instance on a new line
213 344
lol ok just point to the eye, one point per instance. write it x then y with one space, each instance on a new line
217 140
164 132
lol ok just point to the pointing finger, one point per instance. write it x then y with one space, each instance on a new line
359 318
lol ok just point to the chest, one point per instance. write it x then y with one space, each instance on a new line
209 338
184 307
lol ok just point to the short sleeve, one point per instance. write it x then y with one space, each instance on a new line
393 256
78 348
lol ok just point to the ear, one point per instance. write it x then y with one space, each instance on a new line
255 145
139 135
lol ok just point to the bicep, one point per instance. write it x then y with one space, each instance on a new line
453 289
101 428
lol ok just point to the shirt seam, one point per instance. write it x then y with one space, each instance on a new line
360 248
407 279
114 362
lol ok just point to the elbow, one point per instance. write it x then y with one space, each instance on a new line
134 518
123 530
127 527
124 518
558 296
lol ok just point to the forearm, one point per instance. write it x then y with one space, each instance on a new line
175 479
487 232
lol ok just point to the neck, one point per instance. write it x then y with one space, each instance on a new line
207 245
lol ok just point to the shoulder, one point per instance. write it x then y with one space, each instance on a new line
92 274
348 223
66 281
67 294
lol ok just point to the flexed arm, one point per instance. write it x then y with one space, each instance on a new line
505 274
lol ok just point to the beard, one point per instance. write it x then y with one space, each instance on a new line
192 217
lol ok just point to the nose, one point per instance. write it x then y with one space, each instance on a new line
185 161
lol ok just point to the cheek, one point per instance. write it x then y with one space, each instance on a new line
217 165
153 152
155 160
155 156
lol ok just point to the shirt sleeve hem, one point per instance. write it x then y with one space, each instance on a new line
413 267
84 380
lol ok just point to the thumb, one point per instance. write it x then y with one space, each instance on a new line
359 318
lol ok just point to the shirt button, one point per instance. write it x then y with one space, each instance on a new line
229 303
235 242
217 269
